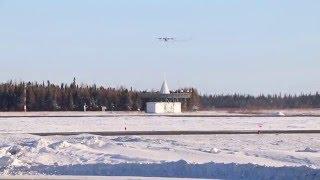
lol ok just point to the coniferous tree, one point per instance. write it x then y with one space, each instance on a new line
50 97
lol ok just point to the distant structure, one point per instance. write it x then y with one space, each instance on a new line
85 107
25 98
164 101
164 88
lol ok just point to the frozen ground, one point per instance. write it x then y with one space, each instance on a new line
270 150
174 156
204 156
154 123
216 112
75 177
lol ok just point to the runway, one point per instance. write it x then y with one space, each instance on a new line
215 132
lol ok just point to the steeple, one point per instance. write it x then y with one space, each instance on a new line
164 88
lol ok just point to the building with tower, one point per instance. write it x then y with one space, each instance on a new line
164 101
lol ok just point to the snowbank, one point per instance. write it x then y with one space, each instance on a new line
23 150
180 169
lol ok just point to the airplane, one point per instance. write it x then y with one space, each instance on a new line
166 39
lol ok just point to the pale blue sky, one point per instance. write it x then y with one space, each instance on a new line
247 47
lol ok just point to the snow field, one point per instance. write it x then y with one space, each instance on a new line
156 123
21 152
259 156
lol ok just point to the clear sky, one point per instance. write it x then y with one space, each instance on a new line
229 46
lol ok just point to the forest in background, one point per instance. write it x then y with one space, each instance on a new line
72 97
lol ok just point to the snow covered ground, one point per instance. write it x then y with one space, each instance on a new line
270 150
216 112
74 177
153 123
260 156
96 155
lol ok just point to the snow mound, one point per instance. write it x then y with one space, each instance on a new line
60 145
94 141
180 169
128 139
215 150
308 149
210 150
9 161
13 150
279 113
88 140
5 161
9 150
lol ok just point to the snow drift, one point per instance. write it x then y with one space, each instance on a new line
179 169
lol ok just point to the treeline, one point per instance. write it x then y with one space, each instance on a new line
73 97
64 97
261 101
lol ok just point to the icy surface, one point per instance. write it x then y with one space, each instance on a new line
260 156
153 123
27 154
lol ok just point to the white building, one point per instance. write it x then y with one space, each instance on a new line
164 101
163 107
